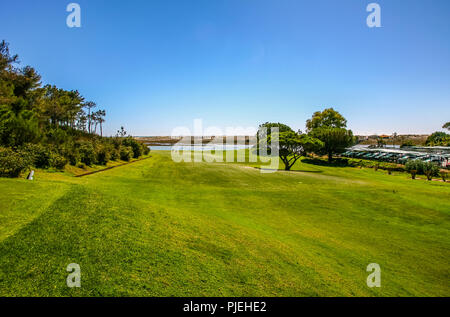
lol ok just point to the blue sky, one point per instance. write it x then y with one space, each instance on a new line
158 64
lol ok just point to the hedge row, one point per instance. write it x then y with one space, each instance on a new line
79 153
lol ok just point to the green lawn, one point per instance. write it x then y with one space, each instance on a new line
159 228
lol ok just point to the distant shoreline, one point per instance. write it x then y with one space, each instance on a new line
189 140
415 139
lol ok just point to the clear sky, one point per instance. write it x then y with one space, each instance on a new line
158 64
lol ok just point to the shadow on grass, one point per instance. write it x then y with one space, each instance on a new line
337 162
283 170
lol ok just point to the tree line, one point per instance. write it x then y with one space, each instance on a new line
439 138
326 134
46 126
28 109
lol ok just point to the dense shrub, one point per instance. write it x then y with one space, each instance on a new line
73 157
115 154
320 161
103 155
377 165
145 149
414 167
126 153
36 155
430 170
87 153
12 164
116 142
18 128
57 135
58 161
135 146
69 151
438 139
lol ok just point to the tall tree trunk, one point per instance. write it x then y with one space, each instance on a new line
101 129
89 121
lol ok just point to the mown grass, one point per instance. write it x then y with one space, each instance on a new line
159 228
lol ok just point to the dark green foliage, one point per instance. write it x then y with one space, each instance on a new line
335 140
446 126
87 153
57 136
58 161
329 118
49 126
430 170
291 146
103 155
12 164
135 146
416 167
270 125
438 139
37 155
126 153
17 128
145 149
115 154
343 162
329 127
73 157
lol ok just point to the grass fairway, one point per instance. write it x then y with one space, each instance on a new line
159 228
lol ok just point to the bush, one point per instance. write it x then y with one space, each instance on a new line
12 164
36 155
87 153
419 167
103 155
115 154
126 152
135 146
81 165
414 167
70 152
145 149
57 136
341 162
438 139
430 170
393 167
58 161
73 157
